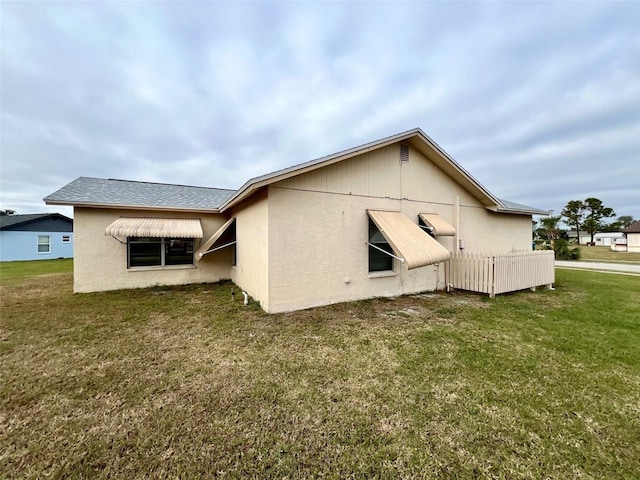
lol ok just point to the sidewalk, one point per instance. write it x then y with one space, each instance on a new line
630 268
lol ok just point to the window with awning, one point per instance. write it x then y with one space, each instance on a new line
157 242
439 226
414 247
126 227
224 237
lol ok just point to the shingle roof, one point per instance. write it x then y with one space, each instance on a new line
514 207
86 191
633 228
124 193
7 221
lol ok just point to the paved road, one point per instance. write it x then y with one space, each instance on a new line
602 266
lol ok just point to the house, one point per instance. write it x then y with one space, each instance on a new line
632 232
601 238
37 236
379 219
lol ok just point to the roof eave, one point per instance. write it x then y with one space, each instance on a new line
258 182
518 211
449 166
131 207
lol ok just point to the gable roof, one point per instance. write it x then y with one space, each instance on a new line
96 192
633 228
100 192
8 222
414 137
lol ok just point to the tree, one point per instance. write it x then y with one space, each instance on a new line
622 222
595 212
574 214
7 212
625 221
549 229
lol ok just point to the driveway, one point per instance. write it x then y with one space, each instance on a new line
632 268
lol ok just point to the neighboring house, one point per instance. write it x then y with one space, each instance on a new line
37 236
573 237
601 238
376 220
632 232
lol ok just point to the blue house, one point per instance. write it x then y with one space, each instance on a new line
37 236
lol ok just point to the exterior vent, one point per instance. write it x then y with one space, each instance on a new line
404 152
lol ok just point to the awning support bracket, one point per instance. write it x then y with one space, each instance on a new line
385 252
118 240
218 248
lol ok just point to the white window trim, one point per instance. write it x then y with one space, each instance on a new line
48 244
162 265
385 273
394 262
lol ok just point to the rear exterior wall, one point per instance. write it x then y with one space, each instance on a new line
101 261
318 228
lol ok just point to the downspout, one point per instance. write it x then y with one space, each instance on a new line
456 222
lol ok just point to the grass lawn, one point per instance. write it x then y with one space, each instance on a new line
12 272
184 382
604 254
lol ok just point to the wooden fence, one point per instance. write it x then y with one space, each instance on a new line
500 273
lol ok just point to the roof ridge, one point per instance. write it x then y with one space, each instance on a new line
162 183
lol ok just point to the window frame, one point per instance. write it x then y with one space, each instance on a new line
41 244
372 252
164 244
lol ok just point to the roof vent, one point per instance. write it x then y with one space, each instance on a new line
404 152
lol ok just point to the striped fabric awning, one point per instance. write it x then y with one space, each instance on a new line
408 240
441 228
155 227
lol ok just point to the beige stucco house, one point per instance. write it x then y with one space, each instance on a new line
376 220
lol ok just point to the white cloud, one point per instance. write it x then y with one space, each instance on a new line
528 97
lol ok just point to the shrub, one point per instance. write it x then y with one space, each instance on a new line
564 252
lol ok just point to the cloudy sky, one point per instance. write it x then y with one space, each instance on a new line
540 101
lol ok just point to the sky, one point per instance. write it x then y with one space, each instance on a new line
539 101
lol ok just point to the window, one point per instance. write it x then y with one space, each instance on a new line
426 227
66 239
159 252
378 261
44 244
224 237
178 252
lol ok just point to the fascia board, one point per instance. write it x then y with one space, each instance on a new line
452 168
131 207
519 211
258 182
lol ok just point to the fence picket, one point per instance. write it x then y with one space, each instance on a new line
500 273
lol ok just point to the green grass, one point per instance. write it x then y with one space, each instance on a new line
184 382
604 254
10 272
